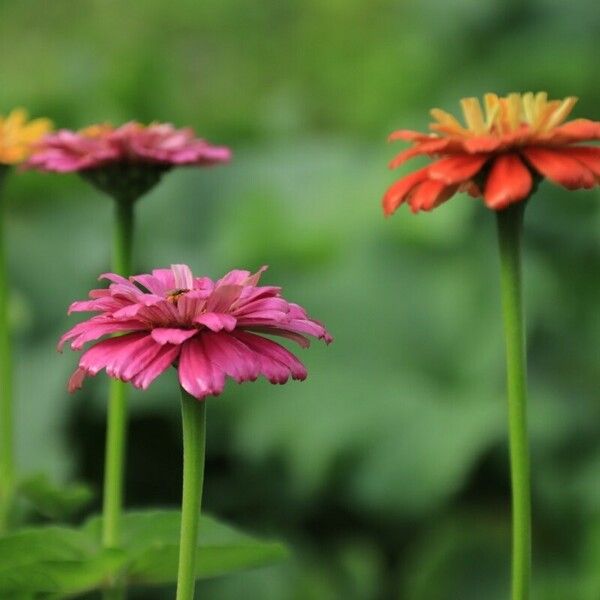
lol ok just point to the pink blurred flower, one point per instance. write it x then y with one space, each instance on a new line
100 145
208 330
127 161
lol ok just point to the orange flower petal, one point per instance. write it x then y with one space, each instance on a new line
481 143
560 168
456 169
409 135
587 155
509 181
398 191
429 147
430 194
578 130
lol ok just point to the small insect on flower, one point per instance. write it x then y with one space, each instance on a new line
18 136
500 154
208 330
126 160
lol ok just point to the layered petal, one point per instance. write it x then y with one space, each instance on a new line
216 321
508 181
97 146
198 375
172 335
501 146
430 194
277 363
456 169
171 317
233 357
94 329
162 360
578 130
587 155
428 147
560 168
398 191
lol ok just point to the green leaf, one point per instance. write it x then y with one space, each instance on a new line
151 543
49 560
64 560
53 501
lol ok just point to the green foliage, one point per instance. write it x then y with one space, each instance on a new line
53 501
51 560
151 540
65 561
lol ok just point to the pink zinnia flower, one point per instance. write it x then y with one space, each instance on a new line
129 159
99 145
208 330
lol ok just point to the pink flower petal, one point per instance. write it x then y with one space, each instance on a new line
171 335
197 374
277 363
217 321
171 316
165 357
222 298
93 329
233 357
184 279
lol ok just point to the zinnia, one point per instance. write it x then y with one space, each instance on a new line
18 136
208 330
500 154
127 159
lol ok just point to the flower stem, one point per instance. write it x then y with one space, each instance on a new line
510 225
117 402
193 414
7 452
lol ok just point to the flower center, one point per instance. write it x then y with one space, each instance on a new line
175 295
504 115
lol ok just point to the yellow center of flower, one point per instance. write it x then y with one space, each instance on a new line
17 136
175 295
96 131
500 116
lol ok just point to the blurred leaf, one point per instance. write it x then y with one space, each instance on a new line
151 544
63 561
464 558
53 501
48 560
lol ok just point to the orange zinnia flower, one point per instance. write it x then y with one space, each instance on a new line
17 136
500 154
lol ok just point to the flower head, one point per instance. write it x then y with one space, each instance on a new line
208 330
18 136
499 154
129 159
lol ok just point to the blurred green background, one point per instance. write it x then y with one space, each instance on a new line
387 470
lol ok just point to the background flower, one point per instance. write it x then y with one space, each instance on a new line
125 161
18 135
498 154
133 143
209 330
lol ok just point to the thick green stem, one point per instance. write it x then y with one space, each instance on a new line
510 224
7 451
114 465
193 414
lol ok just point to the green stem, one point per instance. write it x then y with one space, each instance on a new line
7 451
193 414
114 466
510 225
